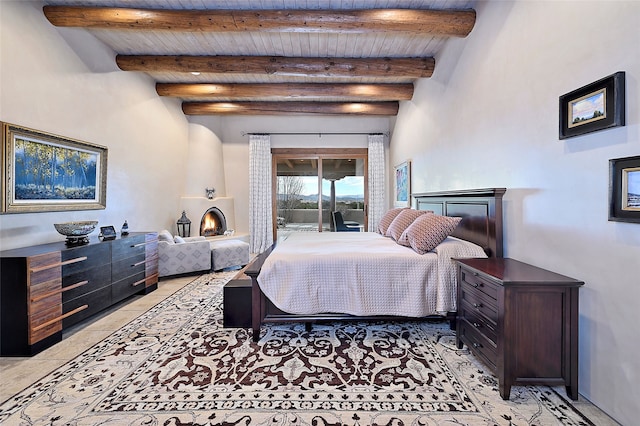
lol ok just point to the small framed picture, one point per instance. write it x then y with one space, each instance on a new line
596 106
108 232
402 181
624 189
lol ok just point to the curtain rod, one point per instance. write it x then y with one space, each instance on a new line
315 133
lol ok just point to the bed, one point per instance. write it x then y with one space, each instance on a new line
282 290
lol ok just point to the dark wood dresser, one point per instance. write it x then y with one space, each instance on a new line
521 321
47 288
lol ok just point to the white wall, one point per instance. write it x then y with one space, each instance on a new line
489 118
47 86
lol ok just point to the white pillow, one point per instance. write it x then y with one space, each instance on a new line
166 236
178 239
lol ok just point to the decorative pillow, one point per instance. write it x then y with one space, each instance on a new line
402 221
427 231
178 239
165 235
387 218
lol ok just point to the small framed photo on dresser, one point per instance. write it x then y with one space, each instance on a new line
624 189
108 232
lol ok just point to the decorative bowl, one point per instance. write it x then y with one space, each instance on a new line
76 232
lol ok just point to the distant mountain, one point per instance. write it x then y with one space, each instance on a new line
342 198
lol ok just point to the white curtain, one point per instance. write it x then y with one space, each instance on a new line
260 218
376 180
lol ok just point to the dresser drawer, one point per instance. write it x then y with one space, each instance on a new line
483 304
124 268
96 255
45 318
85 282
478 343
128 247
483 285
95 301
131 285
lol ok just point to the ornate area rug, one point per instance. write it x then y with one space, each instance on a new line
177 365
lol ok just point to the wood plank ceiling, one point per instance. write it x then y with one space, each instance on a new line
274 57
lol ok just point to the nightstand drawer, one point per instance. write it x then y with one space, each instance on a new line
479 301
482 324
483 285
478 343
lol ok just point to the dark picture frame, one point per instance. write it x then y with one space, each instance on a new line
596 106
43 172
624 189
108 232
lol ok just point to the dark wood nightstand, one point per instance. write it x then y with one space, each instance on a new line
520 320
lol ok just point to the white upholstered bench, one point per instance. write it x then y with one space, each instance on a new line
226 253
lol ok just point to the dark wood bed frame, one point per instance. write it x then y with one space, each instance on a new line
481 212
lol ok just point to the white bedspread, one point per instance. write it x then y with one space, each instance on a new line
361 273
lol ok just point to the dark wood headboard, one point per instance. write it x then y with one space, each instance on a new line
481 212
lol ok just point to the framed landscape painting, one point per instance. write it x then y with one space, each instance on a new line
624 189
402 184
596 106
45 172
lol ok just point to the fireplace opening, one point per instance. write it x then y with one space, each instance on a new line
213 223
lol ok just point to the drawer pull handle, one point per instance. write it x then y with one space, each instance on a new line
61 317
476 345
58 291
137 283
139 263
477 305
66 262
477 325
476 285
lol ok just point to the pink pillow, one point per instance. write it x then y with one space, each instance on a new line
427 231
387 218
402 221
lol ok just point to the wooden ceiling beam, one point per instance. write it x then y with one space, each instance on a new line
363 92
290 108
280 65
444 22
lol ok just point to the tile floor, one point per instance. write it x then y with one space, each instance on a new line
16 373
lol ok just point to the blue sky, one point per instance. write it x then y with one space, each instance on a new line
350 185
633 182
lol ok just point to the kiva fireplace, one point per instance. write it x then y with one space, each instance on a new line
213 223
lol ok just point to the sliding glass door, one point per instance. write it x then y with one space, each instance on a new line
311 184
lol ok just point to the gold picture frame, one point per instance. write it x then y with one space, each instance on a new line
43 172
